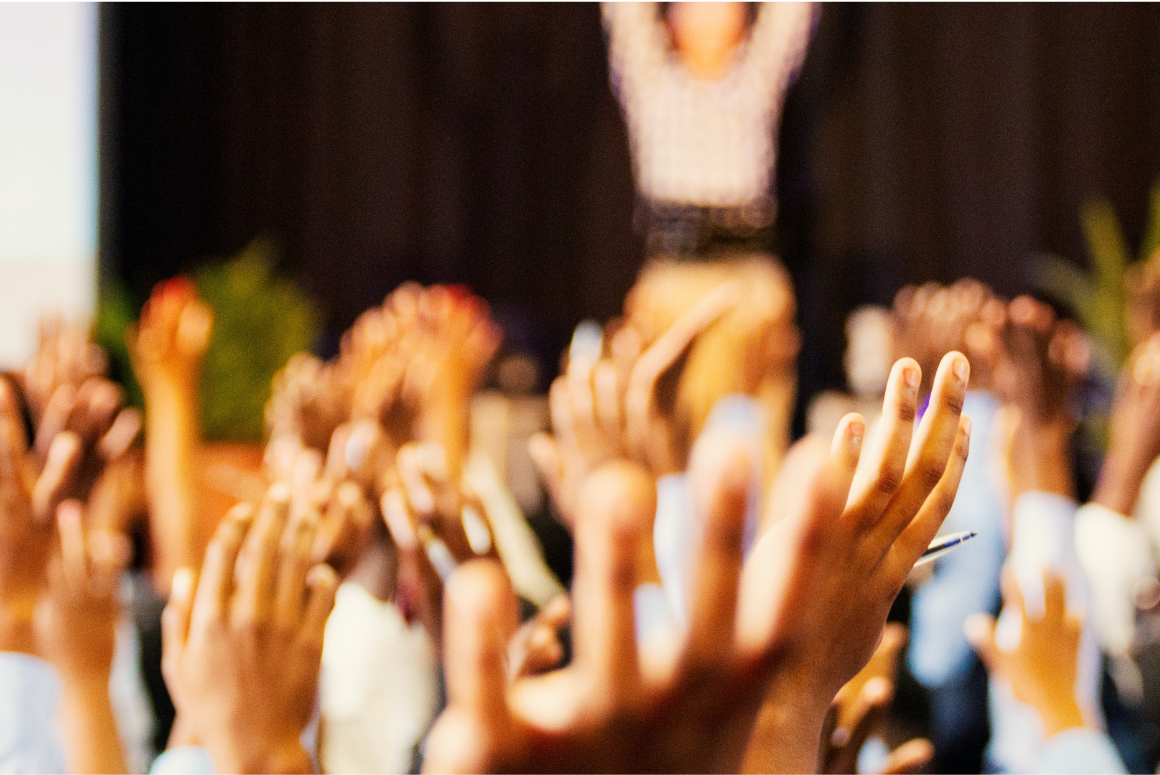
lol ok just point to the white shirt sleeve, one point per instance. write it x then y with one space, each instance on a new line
778 42
1115 555
637 48
29 695
1078 752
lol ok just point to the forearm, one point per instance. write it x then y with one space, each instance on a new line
1120 480
90 729
16 634
1042 460
172 440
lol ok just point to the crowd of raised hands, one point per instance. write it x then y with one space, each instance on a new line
731 592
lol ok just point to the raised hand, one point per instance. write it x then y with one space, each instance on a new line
1135 430
1042 669
29 495
436 523
310 399
168 344
242 644
932 320
1041 363
76 631
64 356
610 408
802 619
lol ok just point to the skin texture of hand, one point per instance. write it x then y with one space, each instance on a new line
75 626
1041 670
242 644
168 346
1040 364
27 504
436 524
803 618
1135 430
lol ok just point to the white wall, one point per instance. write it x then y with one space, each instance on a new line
48 167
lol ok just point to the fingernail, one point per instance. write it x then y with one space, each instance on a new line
857 432
911 376
962 369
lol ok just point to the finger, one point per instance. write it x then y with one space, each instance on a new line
661 356
109 555
980 632
215 587
74 556
870 710
557 612
916 536
721 471
560 411
883 462
911 757
64 456
933 446
1012 592
606 386
258 569
617 502
479 618
322 583
846 446
54 419
400 523
413 476
582 400
295 560
121 434
98 400
175 619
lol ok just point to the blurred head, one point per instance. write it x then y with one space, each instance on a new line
750 350
704 34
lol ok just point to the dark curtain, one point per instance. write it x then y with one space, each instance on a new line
481 144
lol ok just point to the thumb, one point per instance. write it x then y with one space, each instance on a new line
980 632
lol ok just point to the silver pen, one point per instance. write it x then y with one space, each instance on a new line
940 546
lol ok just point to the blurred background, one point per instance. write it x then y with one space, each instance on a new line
369 144
482 144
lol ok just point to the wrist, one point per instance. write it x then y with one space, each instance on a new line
286 757
1061 714
16 630
1043 460
1119 484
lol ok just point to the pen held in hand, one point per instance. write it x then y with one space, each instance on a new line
943 544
